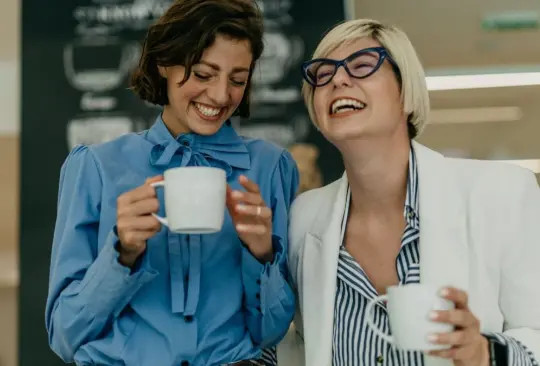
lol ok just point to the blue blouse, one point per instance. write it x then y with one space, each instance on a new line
192 299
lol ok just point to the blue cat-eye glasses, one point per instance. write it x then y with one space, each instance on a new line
359 65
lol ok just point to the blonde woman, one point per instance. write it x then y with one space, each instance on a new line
402 214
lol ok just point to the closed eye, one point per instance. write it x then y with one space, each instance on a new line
239 82
203 77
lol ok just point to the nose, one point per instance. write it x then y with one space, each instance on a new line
341 78
219 92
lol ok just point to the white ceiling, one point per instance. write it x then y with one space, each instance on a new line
449 35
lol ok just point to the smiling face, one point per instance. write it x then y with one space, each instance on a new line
351 108
212 92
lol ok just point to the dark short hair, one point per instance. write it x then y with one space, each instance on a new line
184 32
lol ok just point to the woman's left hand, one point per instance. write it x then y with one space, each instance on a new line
252 219
469 346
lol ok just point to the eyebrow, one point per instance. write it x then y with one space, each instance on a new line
217 68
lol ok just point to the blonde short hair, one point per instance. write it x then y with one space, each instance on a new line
414 92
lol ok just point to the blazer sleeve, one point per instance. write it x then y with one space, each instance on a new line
520 273
290 352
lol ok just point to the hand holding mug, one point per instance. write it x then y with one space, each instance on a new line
252 219
134 222
468 345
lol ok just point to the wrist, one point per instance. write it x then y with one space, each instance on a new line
127 258
487 356
264 254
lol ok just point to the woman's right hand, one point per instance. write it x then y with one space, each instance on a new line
134 222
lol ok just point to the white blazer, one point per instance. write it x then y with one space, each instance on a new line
479 231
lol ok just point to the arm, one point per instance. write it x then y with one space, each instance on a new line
519 292
269 300
290 352
88 288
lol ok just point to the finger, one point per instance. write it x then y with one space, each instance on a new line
249 185
229 201
139 193
247 197
459 318
458 297
457 338
156 178
460 353
143 207
259 212
141 223
257 229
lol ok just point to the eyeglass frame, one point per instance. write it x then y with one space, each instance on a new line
381 51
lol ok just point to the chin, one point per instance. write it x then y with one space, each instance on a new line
207 126
345 132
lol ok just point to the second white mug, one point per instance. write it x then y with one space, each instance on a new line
408 309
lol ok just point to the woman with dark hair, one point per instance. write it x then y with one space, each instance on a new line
124 290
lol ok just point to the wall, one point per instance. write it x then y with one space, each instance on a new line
9 179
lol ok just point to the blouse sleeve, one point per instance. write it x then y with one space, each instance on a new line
88 287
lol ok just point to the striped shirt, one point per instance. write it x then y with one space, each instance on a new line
354 343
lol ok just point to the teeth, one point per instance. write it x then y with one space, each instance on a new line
345 105
207 111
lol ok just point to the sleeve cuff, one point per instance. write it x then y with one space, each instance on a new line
517 353
108 286
262 282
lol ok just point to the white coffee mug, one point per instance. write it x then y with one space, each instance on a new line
408 309
194 199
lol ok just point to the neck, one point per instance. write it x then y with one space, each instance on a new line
377 172
175 127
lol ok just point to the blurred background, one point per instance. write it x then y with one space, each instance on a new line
63 74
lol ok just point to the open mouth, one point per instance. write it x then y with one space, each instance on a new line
344 105
208 112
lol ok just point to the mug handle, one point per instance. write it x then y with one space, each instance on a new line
162 220
371 323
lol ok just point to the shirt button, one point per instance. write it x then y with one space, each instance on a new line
185 143
188 319
184 363
258 296
380 359
258 282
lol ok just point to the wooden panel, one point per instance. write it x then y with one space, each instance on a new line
9 193
8 320
9 248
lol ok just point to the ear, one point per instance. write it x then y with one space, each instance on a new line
162 71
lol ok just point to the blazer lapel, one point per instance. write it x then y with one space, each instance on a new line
320 259
443 232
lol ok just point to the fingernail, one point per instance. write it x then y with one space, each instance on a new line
445 292
433 338
241 207
236 194
241 227
433 315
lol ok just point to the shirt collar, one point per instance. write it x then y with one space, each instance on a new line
224 149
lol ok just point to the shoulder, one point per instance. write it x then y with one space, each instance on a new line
116 146
307 208
262 149
491 178
269 155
